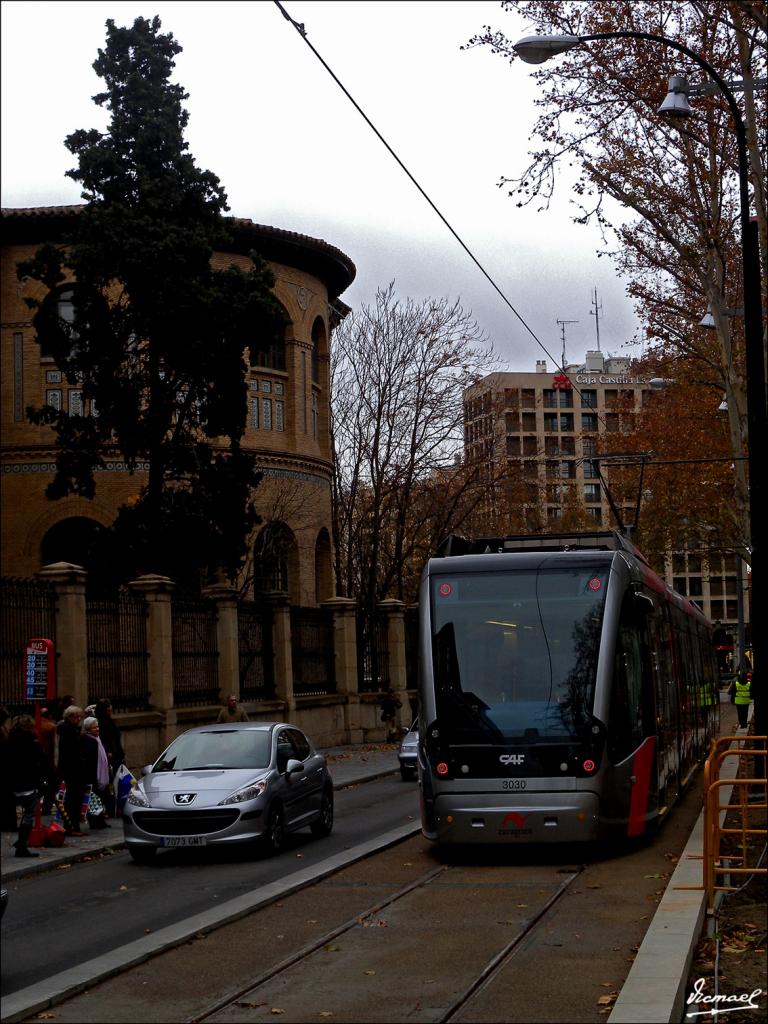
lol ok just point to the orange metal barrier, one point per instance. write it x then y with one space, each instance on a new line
733 862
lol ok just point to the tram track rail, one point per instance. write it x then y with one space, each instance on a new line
312 947
497 963
482 980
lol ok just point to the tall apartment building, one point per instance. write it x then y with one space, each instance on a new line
537 433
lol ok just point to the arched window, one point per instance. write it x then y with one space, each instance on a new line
276 561
268 352
58 306
318 347
323 568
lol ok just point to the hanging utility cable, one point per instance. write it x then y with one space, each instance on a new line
299 26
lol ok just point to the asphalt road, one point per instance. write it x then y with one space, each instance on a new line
74 914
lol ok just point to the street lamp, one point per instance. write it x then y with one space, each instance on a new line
537 49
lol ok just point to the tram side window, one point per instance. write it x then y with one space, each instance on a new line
629 699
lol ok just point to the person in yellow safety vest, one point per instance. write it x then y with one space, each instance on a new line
743 683
706 694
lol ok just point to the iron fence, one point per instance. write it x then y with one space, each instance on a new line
117 650
412 648
372 654
28 610
254 631
312 651
195 652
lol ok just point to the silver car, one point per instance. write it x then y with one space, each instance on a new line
408 755
223 784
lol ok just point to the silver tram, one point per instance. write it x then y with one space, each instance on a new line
566 692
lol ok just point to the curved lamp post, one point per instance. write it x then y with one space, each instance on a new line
537 49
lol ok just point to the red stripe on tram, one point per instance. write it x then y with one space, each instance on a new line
642 767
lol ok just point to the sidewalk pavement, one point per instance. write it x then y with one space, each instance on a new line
349 766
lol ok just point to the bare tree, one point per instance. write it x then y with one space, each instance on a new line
599 113
399 369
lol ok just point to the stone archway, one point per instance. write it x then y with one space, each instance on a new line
71 540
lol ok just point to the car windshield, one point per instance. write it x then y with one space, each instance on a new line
220 748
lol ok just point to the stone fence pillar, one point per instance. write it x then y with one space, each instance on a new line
281 645
227 638
394 611
345 657
71 629
156 591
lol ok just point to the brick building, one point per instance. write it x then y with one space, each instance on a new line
288 423
536 433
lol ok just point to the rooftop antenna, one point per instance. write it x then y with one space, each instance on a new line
562 332
596 314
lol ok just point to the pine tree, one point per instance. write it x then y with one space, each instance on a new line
158 337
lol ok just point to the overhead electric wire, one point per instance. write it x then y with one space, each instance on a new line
302 32
299 26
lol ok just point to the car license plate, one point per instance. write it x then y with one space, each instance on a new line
184 840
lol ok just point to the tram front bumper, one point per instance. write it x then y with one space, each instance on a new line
528 818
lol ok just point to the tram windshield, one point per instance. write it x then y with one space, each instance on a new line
515 653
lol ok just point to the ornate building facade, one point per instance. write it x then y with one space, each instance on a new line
288 414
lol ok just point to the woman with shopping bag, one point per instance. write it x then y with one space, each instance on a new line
72 771
97 773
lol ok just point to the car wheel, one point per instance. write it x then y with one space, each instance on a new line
274 837
324 824
142 854
405 774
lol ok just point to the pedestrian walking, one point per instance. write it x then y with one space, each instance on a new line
24 769
390 703
47 737
742 697
112 741
72 770
96 771
232 712
59 705
8 821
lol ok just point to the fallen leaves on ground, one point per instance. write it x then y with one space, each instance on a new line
606 1000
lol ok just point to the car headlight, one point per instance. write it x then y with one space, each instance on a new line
137 798
249 793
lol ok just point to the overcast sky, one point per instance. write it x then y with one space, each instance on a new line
291 151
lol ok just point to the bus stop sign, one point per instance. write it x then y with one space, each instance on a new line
39 681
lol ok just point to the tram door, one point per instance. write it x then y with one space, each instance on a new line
668 740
